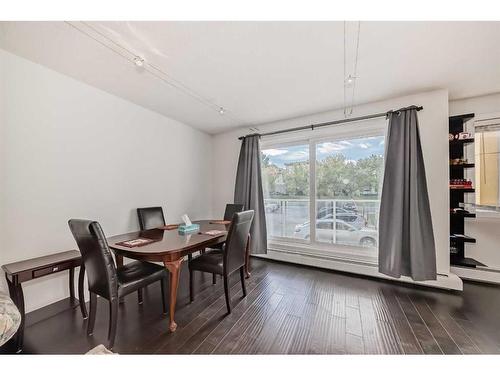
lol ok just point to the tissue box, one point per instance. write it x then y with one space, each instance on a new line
183 229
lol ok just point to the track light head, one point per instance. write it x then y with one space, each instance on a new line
139 61
349 81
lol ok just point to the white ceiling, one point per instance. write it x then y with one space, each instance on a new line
262 71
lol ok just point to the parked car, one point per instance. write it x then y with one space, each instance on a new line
349 217
324 211
349 206
345 233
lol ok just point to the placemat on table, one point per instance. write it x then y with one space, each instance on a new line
136 242
225 222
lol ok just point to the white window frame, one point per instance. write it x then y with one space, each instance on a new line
362 129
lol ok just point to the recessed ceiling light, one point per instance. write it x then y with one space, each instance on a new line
139 61
221 110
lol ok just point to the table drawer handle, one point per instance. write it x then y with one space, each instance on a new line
51 269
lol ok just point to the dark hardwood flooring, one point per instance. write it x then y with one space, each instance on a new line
288 309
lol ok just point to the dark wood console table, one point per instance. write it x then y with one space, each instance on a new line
19 272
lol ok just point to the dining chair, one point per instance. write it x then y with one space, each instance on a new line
107 281
230 259
231 209
150 217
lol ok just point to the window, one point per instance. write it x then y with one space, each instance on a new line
325 191
487 159
285 175
348 176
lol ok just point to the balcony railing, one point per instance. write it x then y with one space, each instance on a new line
290 218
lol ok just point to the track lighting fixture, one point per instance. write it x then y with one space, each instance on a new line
139 61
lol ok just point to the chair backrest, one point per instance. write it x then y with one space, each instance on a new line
236 242
150 217
97 258
231 209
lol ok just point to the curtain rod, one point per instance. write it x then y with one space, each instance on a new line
336 122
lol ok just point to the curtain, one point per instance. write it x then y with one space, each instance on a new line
248 191
406 238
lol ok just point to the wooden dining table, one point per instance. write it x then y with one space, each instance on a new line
170 247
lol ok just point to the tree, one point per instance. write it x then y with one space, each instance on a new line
296 179
336 177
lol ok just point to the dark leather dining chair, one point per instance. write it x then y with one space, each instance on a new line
231 209
230 259
150 217
105 280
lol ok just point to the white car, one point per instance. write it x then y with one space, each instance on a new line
345 233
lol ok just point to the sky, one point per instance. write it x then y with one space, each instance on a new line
353 149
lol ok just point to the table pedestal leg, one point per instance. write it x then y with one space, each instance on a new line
247 258
173 268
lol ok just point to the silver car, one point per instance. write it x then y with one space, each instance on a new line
344 233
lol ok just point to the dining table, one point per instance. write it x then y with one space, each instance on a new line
170 247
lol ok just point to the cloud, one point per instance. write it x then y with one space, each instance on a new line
329 147
274 152
296 156
365 145
346 143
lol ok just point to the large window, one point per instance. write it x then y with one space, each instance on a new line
333 181
285 175
487 159
348 176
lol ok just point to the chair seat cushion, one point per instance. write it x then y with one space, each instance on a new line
135 275
209 262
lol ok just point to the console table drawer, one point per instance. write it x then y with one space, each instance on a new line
52 269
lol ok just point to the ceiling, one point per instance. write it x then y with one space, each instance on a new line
261 72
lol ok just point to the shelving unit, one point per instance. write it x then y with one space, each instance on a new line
458 239
462 166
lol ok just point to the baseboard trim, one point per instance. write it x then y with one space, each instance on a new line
449 282
484 275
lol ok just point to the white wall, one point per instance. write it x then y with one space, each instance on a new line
68 150
434 134
484 228
477 105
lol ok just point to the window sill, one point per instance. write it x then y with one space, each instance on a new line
339 252
308 256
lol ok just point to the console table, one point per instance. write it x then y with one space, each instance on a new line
19 272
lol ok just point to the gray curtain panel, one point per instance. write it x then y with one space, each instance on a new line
406 238
248 191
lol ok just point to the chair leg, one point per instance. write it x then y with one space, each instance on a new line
242 277
92 312
191 287
139 296
164 289
214 278
226 292
113 318
190 257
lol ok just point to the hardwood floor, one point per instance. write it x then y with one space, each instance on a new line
288 309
